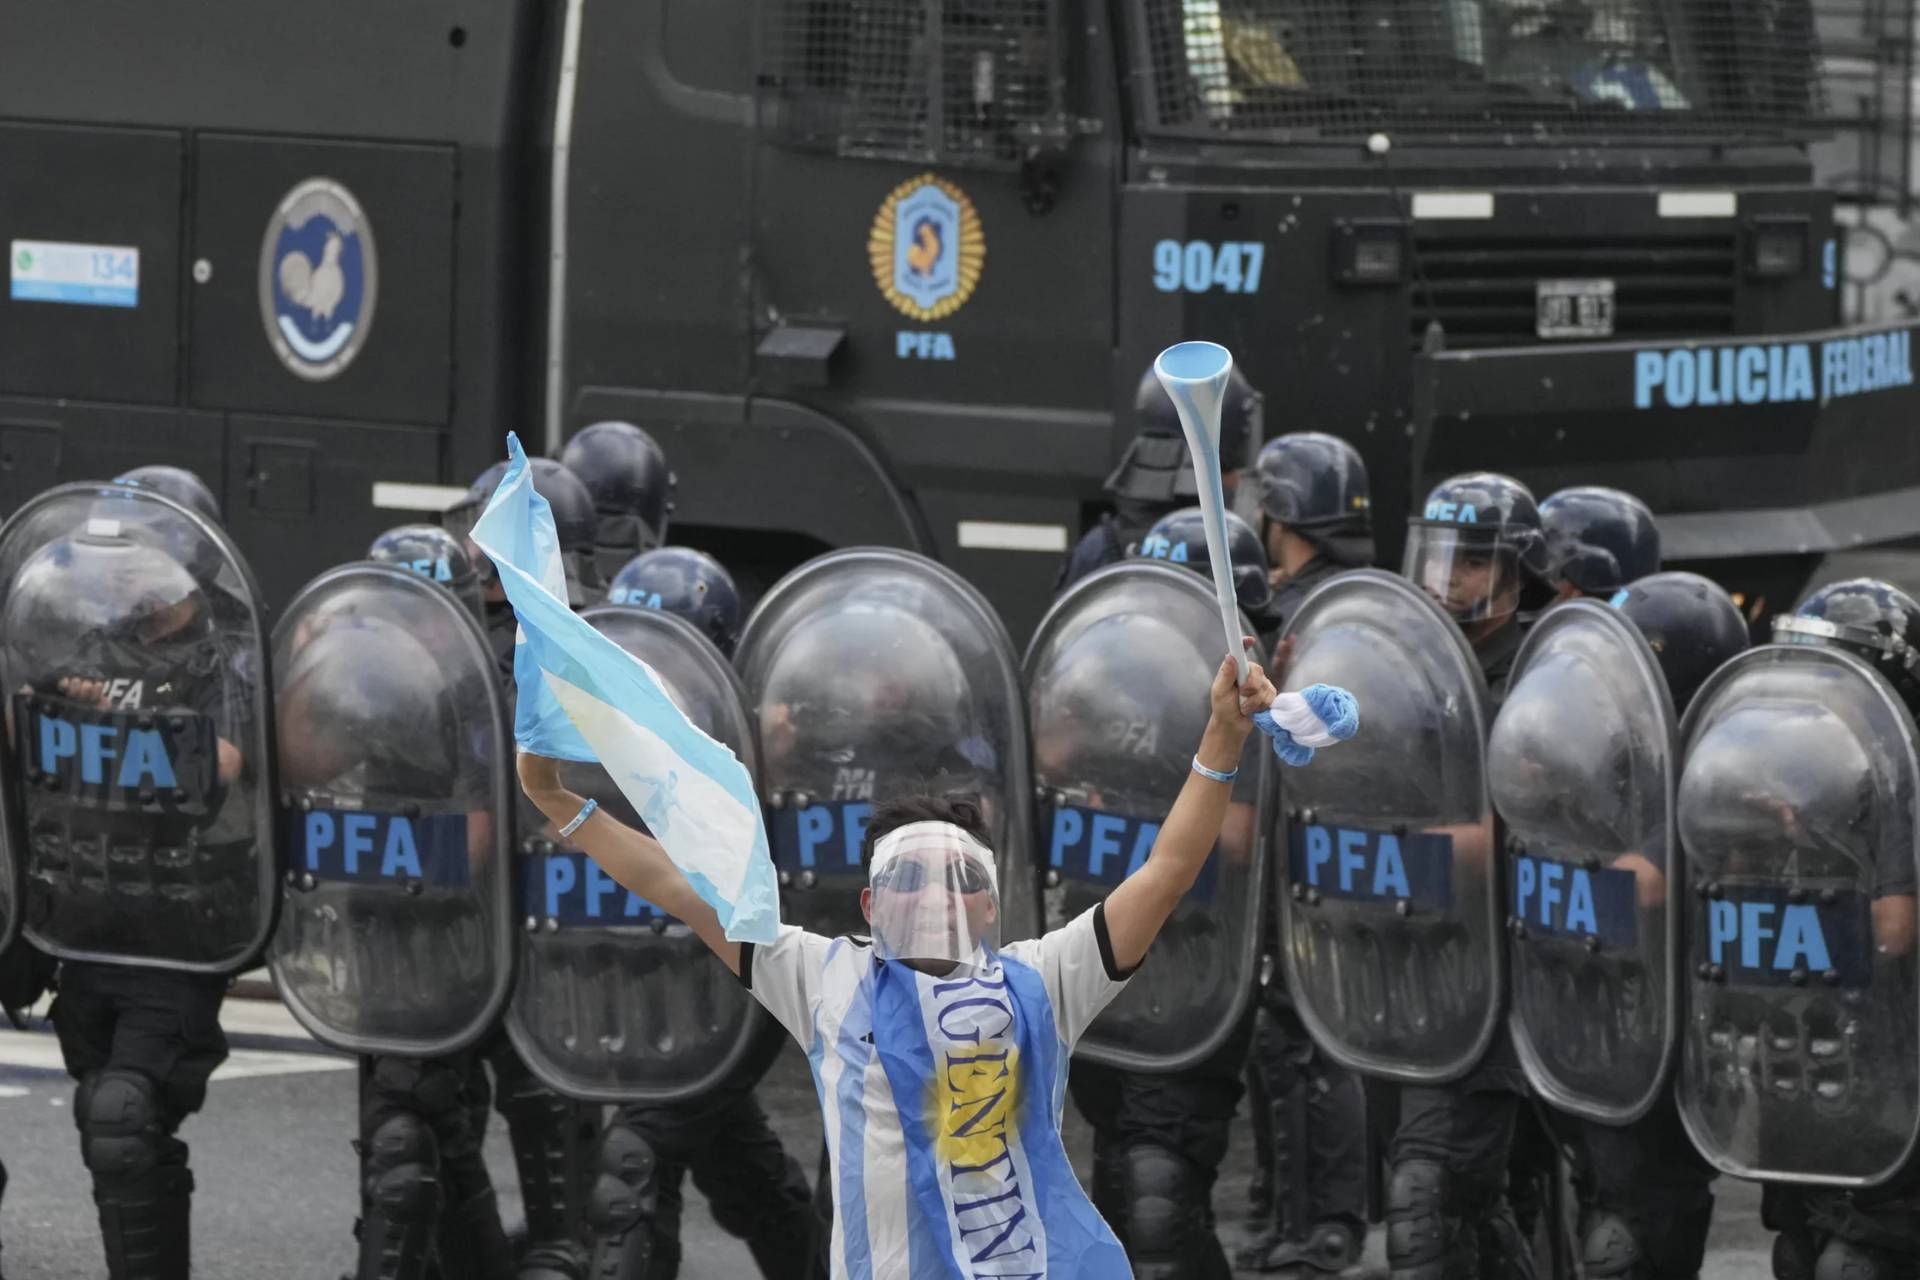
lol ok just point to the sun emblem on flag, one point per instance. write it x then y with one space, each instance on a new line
927 247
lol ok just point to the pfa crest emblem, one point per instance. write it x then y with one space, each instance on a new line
927 248
319 277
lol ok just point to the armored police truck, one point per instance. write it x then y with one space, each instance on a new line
888 271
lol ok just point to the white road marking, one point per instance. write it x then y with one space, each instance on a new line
39 1051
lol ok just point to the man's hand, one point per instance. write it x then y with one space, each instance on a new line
82 689
1233 704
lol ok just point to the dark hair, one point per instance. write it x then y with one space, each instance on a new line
891 815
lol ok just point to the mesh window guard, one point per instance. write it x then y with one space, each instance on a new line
957 82
1509 70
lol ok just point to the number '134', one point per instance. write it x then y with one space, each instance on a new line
1198 266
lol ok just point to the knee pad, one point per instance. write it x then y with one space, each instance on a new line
1419 1234
623 1182
401 1167
1844 1260
1611 1250
119 1116
1161 1214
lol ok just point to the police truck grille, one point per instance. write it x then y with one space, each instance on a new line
1518 72
963 82
1483 286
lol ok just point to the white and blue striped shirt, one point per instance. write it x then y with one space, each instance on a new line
942 1100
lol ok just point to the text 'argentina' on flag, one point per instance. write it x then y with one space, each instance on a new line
582 697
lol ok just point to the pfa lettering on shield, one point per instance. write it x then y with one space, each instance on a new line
149 761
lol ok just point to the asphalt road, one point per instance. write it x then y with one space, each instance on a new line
277 1177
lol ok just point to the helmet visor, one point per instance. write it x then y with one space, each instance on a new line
1473 576
936 898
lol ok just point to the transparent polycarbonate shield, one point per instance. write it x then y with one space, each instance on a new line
617 1001
1581 766
138 804
396 926
1797 808
874 674
1117 692
1389 893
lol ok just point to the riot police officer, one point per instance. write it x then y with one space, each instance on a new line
755 1190
550 1135
690 584
1180 537
131 622
436 555
1476 547
1309 1201
1870 1233
1598 540
1155 475
1645 1193
626 474
574 520
1159 1138
1316 513
390 715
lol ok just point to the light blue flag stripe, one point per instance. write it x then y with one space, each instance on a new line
583 697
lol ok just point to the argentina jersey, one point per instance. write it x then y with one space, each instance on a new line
942 1100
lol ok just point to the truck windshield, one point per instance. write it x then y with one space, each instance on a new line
1513 69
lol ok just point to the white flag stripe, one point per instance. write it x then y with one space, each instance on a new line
696 806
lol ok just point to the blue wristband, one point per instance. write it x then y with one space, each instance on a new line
586 811
1213 774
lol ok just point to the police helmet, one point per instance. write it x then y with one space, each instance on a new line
178 483
573 518
1475 544
1692 626
1181 538
1156 468
433 553
1599 539
1867 617
1316 485
626 473
686 582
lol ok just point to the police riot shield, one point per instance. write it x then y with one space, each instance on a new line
1580 764
1117 693
133 658
618 1002
1388 894
874 674
397 915
1797 808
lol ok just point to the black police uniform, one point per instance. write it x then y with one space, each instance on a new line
1468 1128
552 1137
1159 1138
755 1190
1834 1234
1108 540
1306 1107
143 1042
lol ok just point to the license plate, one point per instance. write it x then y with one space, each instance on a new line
1574 308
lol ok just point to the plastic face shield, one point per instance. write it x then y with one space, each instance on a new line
936 897
1472 576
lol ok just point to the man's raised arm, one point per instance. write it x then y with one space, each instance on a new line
635 861
1137 909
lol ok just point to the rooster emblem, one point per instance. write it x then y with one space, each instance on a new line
318 289
924 253
319 279
927 248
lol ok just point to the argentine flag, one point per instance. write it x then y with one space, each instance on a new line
583 697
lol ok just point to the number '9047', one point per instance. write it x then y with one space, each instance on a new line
1198 266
